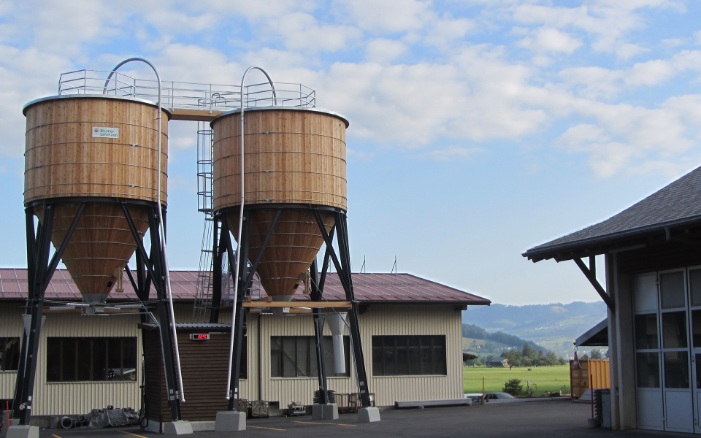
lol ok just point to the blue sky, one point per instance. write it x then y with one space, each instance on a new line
478 128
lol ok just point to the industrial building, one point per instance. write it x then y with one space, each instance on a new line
275 270
653 293
412 328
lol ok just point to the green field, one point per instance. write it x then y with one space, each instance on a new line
543 380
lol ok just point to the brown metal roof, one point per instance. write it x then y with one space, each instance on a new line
368 288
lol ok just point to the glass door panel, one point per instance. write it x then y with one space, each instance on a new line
672 292
674 330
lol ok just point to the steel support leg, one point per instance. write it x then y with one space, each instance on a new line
163 311
343 268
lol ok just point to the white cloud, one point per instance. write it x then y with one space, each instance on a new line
445 31
302 32
592 82
385 17
608 24
625 138
384 50
650 73
550 40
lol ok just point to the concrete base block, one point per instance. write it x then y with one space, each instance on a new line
21 431
230 421
368 415
202 426
325 412
179 427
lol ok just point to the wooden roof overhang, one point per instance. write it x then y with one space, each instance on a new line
686 231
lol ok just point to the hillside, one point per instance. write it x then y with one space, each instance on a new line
553 326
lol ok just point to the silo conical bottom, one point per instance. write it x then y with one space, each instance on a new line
100 246
293 246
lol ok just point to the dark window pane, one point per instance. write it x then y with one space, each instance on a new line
408 355
100 370
674 330
672 290
646 332
676 369
648 370
69 353
90 359
295 356
695 286
53 361
696 327
9 354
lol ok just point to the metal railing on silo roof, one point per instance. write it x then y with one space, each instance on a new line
187 95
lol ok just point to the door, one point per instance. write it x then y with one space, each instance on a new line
676 372
695 340
647 353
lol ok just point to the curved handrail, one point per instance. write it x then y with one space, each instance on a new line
161 227
243 199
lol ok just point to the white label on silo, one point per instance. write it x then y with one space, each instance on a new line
102 132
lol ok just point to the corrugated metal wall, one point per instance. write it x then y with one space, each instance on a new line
415 320
82 397
377 320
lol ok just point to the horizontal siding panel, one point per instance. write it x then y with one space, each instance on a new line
391 319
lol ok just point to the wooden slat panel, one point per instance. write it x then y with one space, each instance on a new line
100 246
292 247
63 159
292 156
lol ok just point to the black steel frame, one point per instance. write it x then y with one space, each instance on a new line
246 270
150 270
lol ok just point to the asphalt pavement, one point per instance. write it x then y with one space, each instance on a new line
540 418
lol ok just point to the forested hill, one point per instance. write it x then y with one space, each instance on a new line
470 331
553 326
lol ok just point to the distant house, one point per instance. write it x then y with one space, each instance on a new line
652 253
411 331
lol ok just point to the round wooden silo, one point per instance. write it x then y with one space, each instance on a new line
101 151
295 158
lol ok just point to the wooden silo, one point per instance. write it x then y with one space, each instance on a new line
100 152
294 164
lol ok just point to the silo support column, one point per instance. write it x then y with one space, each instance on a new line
165 323
217 259
237 329
40 271
343 267
319 335
320 355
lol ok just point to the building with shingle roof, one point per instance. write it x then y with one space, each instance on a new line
411 331
652 253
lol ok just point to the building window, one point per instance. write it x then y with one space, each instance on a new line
295 356
408 355
90 359
9 354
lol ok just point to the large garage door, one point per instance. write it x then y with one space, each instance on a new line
665 397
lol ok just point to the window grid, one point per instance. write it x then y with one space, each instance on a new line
295 356
409 355
91 359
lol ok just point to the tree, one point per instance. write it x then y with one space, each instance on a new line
596 354
513 387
